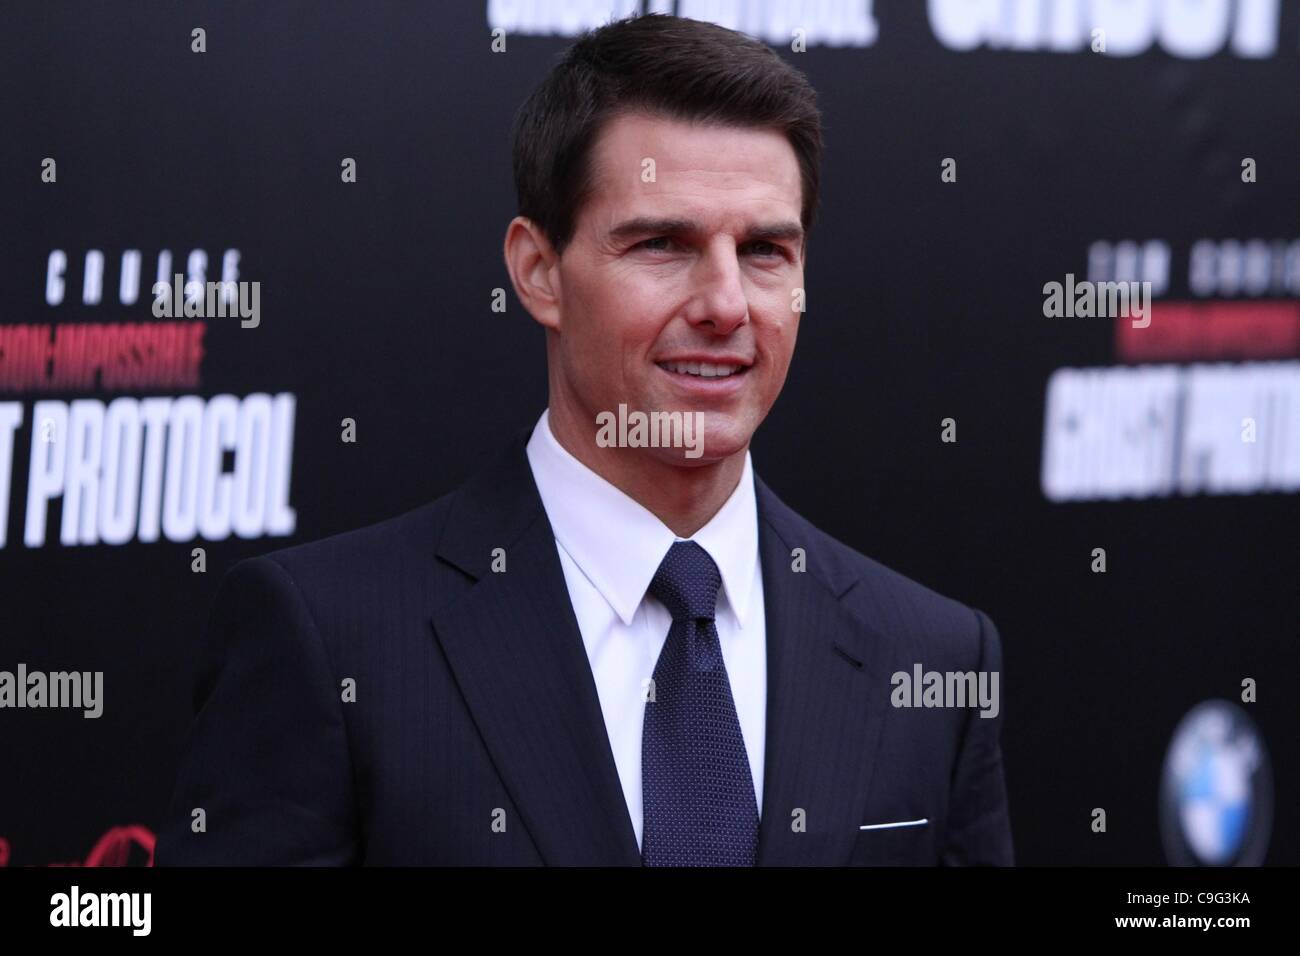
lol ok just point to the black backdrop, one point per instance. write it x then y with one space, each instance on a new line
925 302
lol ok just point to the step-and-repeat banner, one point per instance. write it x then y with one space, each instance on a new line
1050 363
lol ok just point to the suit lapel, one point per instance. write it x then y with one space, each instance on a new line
513 642
514 645
827 696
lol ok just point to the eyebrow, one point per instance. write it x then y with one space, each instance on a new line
670 226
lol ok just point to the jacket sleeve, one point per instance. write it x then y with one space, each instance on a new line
979 827
267 758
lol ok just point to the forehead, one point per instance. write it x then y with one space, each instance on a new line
706 170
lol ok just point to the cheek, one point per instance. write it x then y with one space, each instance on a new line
610 350
777 339
791 333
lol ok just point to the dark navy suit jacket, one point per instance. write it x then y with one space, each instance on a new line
475 705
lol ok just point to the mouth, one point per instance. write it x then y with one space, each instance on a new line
706 371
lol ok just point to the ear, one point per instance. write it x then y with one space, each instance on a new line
534 271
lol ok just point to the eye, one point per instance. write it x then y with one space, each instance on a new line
776 251
646 244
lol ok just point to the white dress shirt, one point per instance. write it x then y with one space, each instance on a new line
610 548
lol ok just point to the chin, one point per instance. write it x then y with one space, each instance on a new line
722 441
677 456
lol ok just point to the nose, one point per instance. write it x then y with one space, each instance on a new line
719 304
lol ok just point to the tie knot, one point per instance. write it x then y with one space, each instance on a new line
687 582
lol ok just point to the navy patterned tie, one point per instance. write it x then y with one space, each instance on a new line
697 791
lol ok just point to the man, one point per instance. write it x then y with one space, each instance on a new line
606 648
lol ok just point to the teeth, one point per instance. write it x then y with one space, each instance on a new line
702 369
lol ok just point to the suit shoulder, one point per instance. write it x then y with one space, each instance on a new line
889 599
381 551
917 614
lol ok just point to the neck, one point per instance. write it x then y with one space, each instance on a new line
683 497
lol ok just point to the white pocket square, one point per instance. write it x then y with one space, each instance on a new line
924 821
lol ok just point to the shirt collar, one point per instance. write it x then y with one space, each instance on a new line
618 544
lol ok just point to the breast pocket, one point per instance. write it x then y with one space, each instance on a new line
896 846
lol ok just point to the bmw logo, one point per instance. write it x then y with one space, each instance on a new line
1216 792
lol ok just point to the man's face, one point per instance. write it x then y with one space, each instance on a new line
692 309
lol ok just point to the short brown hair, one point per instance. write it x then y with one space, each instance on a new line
684 69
